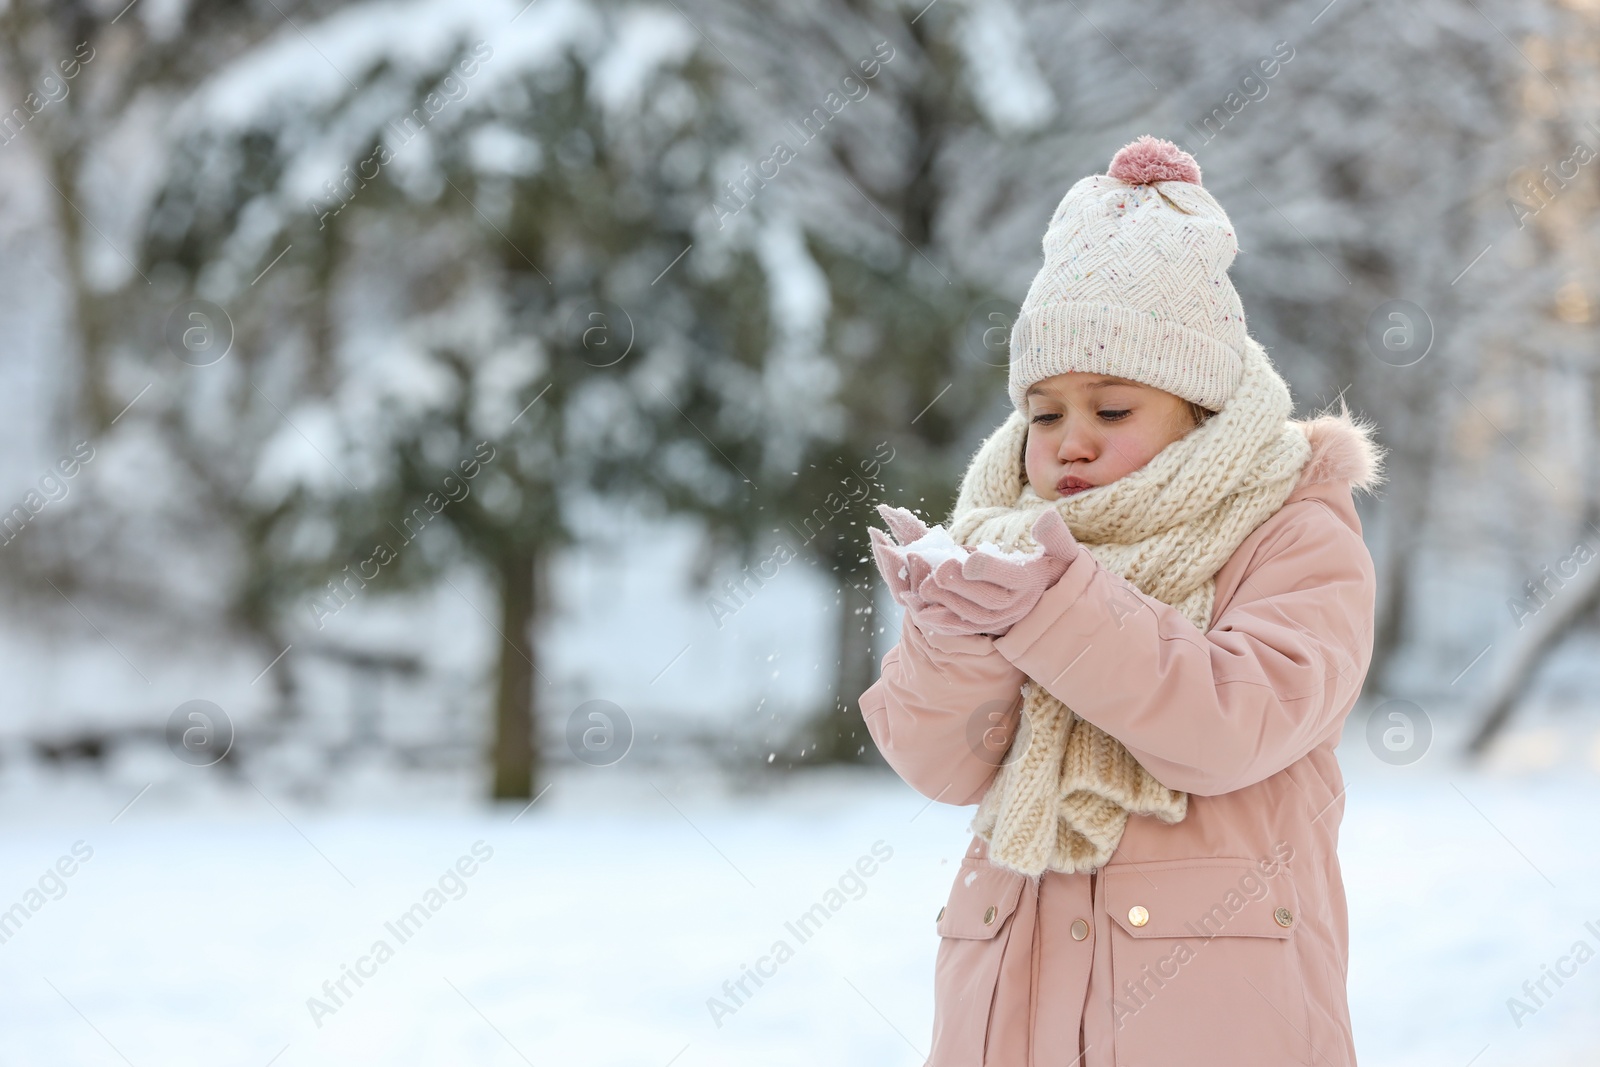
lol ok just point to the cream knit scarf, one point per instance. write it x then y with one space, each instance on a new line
1063 794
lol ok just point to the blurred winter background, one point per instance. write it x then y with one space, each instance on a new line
438 444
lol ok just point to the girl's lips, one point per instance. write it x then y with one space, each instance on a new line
1070 485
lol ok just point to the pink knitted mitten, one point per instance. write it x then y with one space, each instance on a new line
989 591
905 572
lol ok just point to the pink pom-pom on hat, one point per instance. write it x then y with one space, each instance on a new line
1150 159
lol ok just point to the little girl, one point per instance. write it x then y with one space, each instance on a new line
1134 649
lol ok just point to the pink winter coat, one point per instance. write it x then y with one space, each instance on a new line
1221 940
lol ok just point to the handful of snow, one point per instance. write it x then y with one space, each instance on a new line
936 546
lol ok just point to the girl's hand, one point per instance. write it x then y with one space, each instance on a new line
904 524
988 593
892 564
902 571
905 572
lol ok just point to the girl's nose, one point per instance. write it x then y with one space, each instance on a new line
1079 441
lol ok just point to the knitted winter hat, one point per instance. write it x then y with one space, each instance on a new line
1135 283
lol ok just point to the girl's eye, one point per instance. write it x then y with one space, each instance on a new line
1107 416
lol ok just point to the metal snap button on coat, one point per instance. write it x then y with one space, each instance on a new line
988 916
1137 915
1080 929
1284 917
939 916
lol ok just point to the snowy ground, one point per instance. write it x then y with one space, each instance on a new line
605 916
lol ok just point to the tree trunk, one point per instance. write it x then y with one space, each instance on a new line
1567 608
515 757
1571 605
1411 468
838 734
94 406
1403 528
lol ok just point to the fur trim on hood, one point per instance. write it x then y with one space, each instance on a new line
1343 450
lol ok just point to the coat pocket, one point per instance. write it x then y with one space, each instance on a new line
975 927
1205 964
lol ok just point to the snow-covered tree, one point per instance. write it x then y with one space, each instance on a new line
502 288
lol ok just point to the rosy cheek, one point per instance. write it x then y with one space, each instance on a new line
1125 450
1139 449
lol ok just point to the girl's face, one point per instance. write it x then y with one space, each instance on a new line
1087 430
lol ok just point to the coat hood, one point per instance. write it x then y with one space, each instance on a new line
1343 449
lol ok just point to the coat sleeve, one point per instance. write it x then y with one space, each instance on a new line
1208 713
943 712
